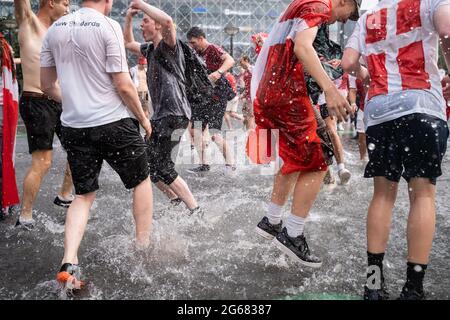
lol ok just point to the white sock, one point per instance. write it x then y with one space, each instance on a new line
274 213
340 166
295 225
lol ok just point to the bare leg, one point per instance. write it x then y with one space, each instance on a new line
200 144
380 214
226 116
237 116
66 188
306 190
181 189
337 144
249 123
362 146
143 213
166 190
224 148
76 221
422 220
282 187
41 162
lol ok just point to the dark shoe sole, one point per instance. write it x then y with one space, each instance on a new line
287 251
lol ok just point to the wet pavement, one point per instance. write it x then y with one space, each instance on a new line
218 256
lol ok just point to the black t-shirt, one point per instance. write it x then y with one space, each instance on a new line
167 88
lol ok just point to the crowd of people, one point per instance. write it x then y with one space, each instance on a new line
78 85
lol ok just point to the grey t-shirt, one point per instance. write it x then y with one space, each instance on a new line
167 88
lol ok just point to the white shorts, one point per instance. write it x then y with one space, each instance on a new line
232 105
360 122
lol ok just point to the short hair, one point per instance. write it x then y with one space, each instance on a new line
196 32
245 58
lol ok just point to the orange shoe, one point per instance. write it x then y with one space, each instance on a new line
69 277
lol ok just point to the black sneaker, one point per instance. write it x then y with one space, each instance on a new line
376 294
25 224
62 202
200 169
296 248
267 230
410 293
175 202
198 212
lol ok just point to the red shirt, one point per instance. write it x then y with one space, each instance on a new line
213 57
247 83
232 80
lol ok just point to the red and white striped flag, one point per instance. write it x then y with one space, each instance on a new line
10 195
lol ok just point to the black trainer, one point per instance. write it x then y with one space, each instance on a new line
62 202
376 294
197 212
175 202
296 248
267 230
410 293
200 169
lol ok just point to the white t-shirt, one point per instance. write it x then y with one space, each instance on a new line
86 46
399 43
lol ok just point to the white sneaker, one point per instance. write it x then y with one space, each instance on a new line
344 175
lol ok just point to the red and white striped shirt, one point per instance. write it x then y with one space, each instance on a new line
399 43
277 63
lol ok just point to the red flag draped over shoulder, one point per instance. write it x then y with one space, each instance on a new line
10 195
279 94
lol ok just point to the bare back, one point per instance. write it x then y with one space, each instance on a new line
31 34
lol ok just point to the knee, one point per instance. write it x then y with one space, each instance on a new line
87 197
41 165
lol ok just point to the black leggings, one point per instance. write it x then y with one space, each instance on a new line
162 144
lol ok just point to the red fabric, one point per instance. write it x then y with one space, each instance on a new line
10 195
411 63
408 16
247 83
361 92
379 79
308 10
213 57
232 80
376 26
282 102
258 39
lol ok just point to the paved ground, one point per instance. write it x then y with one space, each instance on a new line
218 257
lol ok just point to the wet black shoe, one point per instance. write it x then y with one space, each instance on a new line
200 169
267 230
25 224
376 294
176 202
197 212
62 202
296 248
409 293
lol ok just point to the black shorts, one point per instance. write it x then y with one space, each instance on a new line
162 146
41 117
210 115
410 147
119 143
324 111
